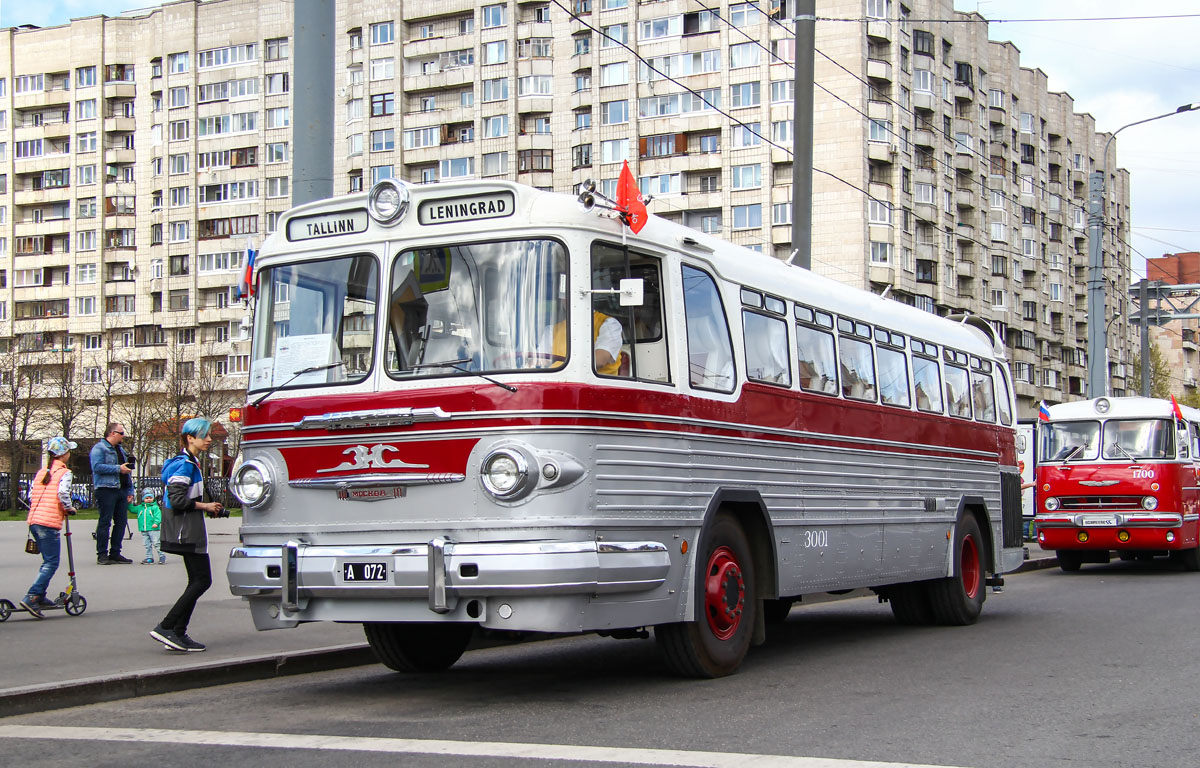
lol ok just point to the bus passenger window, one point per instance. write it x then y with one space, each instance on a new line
628 341
1003 399
766 349
814 355
927 384
958 394
710 354
858 369
983 396
893 378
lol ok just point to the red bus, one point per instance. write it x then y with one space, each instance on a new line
1119 474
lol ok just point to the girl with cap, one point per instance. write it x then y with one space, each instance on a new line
183 531
149 518
49 504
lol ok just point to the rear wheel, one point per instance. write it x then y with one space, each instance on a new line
910 604
726 596
418 647
958 598
1068 561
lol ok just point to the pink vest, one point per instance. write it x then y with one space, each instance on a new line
44 506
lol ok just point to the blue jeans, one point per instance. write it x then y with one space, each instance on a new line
114 513
150 539
48 542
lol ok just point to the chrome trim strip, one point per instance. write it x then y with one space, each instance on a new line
630 546
388 417
1098 483
379 480
614 416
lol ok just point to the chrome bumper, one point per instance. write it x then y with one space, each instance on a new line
1111 520
443 571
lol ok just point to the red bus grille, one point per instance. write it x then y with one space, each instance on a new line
1080 503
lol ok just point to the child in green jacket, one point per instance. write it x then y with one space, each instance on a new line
149 517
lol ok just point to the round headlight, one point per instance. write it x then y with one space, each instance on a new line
252 483
505 474
1052 504
1149 502
388 201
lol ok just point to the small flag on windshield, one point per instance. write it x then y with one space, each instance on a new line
1043 411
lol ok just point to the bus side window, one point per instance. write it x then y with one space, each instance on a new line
857 367
766 349
1003 397
958 392
983 396
710 353
641 350
928 384
815 359
893 377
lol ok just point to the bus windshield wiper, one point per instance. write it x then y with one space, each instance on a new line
457 365
1070 455
1121 448
295 374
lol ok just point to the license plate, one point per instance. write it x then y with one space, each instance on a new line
1101 520
364 572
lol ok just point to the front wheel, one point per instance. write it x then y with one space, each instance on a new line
726 602
418 647
1068 561
958 599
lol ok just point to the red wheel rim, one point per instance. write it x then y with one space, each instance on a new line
724 593
969 566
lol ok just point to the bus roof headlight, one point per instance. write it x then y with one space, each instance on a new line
1149 502
388 201
1051 504
505 474
252 483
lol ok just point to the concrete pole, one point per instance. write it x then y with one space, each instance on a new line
1144 294
802 132
312 100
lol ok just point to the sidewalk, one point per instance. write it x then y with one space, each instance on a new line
106 654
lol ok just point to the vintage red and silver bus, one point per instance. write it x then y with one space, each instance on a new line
442 435
1119 474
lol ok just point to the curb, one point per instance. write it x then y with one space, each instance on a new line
95 690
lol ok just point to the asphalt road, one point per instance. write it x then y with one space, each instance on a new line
1091 669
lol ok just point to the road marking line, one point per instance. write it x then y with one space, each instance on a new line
494 749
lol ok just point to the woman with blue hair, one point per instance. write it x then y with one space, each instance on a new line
183 531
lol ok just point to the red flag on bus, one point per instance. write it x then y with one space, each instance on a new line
1178 413
628 201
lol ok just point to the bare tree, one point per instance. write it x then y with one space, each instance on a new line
63 390
135 406
19 411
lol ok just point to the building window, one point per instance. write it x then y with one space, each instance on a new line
384 32
747 216
493 16
277 49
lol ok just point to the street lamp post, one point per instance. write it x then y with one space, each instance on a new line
1097 330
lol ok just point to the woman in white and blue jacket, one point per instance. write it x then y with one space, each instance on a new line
184 533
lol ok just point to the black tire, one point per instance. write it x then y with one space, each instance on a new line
958 599
776 610
76 604
910 604
6 610
716 642
418 647
1068 561
1189 558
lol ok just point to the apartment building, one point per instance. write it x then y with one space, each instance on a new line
1176 340
139 167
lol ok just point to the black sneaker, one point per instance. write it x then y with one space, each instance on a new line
103 560
191 644
30 604
118 559
43 603
168 638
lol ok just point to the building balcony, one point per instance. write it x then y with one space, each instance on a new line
964 268
119 90
997 116
879 29
879 110
927 251
923 100
882 152
923 137
119 124
965 162
878 69
924 176
57 129
420 11
118 156
48 98
964 198
38 196
884 274
963 92
927 212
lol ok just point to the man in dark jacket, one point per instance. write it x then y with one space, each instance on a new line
112 478
184 533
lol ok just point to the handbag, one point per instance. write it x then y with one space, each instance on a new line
31 546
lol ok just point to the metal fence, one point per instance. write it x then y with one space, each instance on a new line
216 488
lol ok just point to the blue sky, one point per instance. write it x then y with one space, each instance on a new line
1118 71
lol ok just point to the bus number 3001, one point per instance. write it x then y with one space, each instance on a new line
816 539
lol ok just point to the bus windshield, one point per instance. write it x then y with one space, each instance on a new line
478 308
1138 439
315 323
1070 440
